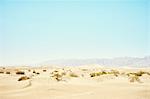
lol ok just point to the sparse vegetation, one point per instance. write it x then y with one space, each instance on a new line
1 72
23 78
20 72
73 75
92 74
44 70
57 75
84 69
115 72
34 71
134 78
97 74
7 72
55 71
103 72
139 73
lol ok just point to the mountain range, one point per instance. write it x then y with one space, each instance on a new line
120 62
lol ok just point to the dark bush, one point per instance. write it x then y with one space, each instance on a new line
7 72
34 71
44 70
1 72
20 73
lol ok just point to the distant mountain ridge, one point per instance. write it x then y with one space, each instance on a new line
120 62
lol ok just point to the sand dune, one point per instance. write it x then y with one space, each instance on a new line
74 83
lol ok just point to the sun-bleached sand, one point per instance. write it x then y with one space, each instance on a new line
74 83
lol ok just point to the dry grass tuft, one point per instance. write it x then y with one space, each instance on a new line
73 75
23 78
84 69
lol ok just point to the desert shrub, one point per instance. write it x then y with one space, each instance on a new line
73 75
34 71
98 73
140 73
1 72
129 74
92 74
134 78
37 73
103 72
55 71
95 74
44 70
29 70
20 73
115 72
57 75
23 78
7 72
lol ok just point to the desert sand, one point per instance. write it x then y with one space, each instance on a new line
74 83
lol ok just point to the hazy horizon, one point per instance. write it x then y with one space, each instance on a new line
32 31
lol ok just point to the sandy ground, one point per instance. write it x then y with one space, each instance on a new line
46 86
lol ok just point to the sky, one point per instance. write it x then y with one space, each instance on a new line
33 31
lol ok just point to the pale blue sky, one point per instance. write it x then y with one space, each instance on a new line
33 31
